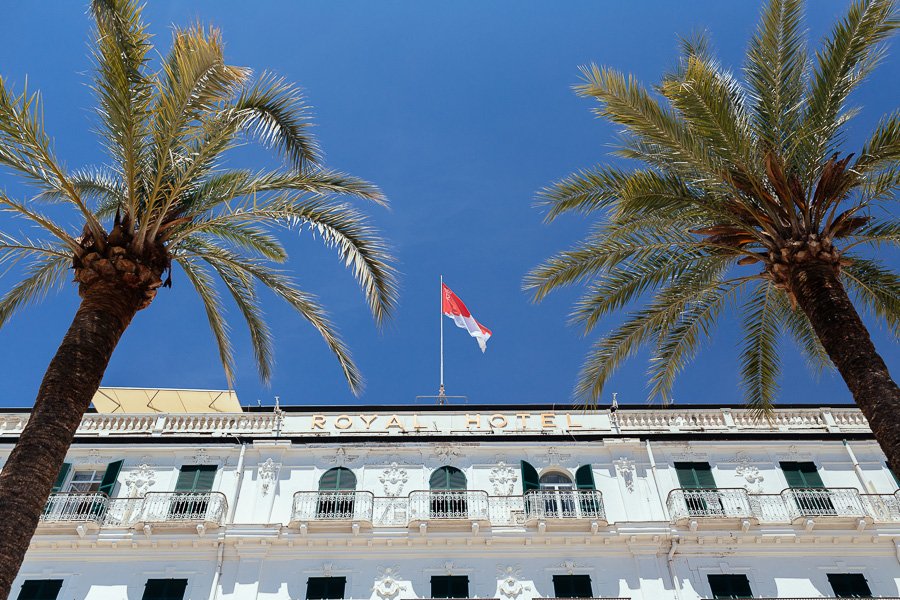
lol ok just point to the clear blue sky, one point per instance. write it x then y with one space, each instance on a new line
460 112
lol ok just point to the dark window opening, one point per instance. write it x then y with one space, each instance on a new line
450 586
849 585
194 484
572 586
40 589
325 588
698 476
729 586
809 491
165 589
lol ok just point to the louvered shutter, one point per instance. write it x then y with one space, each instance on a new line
695 475
196 478
449 586
108 485
456 480
801 474
572 586
337 479
530 479
325 588
40 589
584 478
447 478
61 478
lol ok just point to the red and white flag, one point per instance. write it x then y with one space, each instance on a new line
454 308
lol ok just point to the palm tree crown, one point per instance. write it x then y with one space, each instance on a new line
741 186
166 197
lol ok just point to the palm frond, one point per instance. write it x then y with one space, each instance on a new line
203 283
775 66
882 149
797 325
42 276
7 204
876 287
850 53
760 360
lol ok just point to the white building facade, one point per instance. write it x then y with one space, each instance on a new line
513 503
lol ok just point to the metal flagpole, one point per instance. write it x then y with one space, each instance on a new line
441 389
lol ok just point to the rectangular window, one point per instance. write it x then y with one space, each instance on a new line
572 586
84 482
849 585
450 586
325 588
695 475
801 474
729 586
164 589
40 589
196 478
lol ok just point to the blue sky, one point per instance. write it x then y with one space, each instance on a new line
460 112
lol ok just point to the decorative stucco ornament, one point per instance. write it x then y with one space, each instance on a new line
503 478
555 457
625 470
749 472
267 472
387 586
446 452
394 480
202 457
341 457
140 480
509 585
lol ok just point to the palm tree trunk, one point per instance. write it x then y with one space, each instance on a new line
823 298
66 391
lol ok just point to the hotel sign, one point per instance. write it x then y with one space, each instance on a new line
453 423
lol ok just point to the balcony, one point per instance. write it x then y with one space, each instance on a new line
883 508
75 508
545 505
332 507
194 510
829 503
719 503
449 507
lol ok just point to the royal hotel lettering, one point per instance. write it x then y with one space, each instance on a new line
520 421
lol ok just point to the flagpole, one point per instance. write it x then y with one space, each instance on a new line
441 388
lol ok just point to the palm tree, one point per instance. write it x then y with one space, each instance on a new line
742 198
165 199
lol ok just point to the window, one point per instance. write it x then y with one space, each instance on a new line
336 494
450 586
849 585
83 482
40 589
448 497
810 495
325 588
729 586
194 483
698 476
572 586
164 589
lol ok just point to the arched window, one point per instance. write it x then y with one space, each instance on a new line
337 479
447 478
337 495
448 495
555 481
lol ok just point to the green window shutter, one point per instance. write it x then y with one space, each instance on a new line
530 479
40 589
584 478
849 585
196 478
61 478
729 586
695 475
325 588
165 589
801 474
108 485
450 586
572 586
337 479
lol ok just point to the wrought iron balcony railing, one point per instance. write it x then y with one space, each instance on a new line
823 598
823 502
564 504
184 508
883 508
75 508
449 505
332 506
720 503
